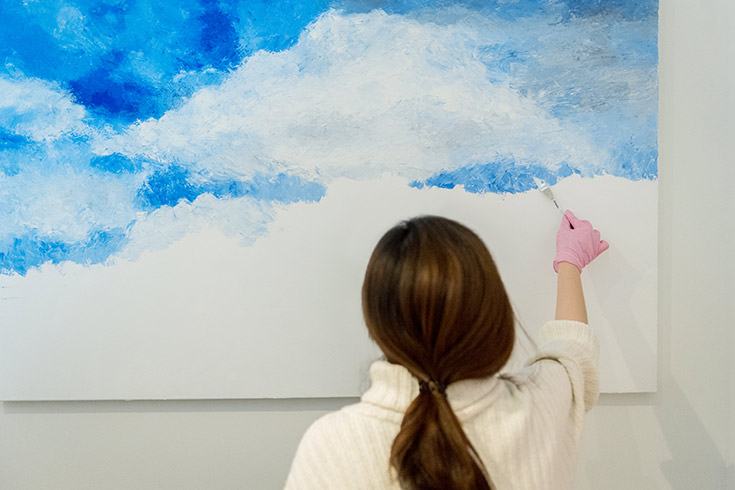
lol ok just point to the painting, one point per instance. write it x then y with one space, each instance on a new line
190 190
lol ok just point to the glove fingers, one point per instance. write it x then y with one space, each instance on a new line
565 223
577 242
571 219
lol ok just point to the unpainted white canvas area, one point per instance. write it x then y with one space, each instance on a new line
282 318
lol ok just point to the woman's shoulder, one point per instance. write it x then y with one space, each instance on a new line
341 449
331 424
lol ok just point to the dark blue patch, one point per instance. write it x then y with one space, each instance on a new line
9 140
21 254
112 92
116 163
167 187
218 40
125 64
498 177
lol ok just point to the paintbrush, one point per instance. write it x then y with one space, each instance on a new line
546 191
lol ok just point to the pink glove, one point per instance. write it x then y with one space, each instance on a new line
577 242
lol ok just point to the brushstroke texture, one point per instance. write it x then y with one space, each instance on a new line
126 125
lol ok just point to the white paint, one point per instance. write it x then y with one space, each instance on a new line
364 94
201 317
241 219
39 109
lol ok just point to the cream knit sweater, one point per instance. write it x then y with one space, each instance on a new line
525 426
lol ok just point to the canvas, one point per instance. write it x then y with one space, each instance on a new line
190 190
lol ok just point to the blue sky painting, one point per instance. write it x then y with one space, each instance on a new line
125 124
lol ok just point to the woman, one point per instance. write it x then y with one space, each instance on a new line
437 414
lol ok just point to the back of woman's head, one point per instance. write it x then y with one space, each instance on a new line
434 302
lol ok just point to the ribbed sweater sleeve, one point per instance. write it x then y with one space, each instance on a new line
574 345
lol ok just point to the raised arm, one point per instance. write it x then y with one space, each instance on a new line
577 244
569 295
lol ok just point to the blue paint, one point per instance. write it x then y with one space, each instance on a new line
124 96
9 140
517 9
98 247
506 176
11 164
128 60
167 187
29 45
21 254
500 59
502 176
170 186
521 8
218 40
124 59
108 17
24 253
116 163
636 162
123 63
281 188
629 9
275 25
564 171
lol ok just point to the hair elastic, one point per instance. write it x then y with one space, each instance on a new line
433 386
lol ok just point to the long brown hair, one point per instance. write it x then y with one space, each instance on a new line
434 303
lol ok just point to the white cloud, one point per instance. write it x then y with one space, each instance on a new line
67 204
39 110
357 96
243 219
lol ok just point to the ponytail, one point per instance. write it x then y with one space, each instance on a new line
432 452
434 303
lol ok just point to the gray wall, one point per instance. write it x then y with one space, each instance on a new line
682 437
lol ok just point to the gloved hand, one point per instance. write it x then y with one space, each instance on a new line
577 242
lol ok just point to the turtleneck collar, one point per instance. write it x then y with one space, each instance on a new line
393 387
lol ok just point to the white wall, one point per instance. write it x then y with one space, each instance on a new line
682 437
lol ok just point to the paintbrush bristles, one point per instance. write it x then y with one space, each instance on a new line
544 187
